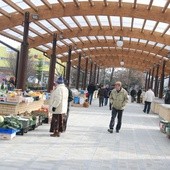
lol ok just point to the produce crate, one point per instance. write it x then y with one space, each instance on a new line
7 131
163 124
16 99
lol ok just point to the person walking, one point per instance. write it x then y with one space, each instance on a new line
149 97
106 95
139 96
101 92
58 107
167 96
91 88
133 95
118 100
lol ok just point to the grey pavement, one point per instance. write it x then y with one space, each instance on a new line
88 146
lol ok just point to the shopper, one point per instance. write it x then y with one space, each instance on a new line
118 99
149 97
133 95
139 96
167 96
58 107
101 92
106 95
91 88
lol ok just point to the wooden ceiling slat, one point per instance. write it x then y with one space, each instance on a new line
89 39
120 3
135 4
61 2
43 27
29 3
54 25
47 4
13 5
77 3
97 39
150 4
36 32
156 24
91 2
167 28
110 23
66 24
76 22
73 41
67 44
10 36
99 23
88 22
166 6
121 23
81 40
105 3
6 14
47 46
143 26
131 28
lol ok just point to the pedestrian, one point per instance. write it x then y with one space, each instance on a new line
110 90
167 96
139 96
11 84
133 95
106 95
91 88
101 92
118 99
58 107
149 97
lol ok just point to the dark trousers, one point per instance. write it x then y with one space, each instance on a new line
105 101
115 113
101 100
147 107
90 97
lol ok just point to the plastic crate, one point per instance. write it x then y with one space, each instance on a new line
77 100
163 124
6 136
7 131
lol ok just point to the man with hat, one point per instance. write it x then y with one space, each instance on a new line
58 107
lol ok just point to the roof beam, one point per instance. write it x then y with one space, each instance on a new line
105 3
6 14
150 4
135 4
77 3
43 27
54 25
120 3
99 23
10 36
36 32
91 2
143 25
154 27
76 22
89 39
166 6
66 24
167 28
121 24
131 28
110 23
88 22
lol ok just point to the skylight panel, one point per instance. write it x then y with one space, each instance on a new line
143 41
159 3
32 34
161 27
49 44
44 48
21 4
70 22
134 39
126 38
37 28
59 23
60 43
167 47
109 37
13 33
81 21
8 9
92 20
127 21
151 43
67 41
84 38
100 37
149 24
37 2
92 37
160 45
48 25
138 23
104 20
19 27
168 32
52 1
115 20
75 39
144 2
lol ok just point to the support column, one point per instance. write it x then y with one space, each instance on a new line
91 70
68 66
78 72
85 75
52 65
23 58
95 69
98 70
111 77
162 80
148 86
153 70
156 81
146 81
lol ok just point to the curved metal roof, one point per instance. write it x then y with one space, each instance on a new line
93 27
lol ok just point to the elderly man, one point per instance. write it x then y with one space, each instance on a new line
58 106
118 100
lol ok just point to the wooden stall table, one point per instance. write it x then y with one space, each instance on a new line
164 112
156 105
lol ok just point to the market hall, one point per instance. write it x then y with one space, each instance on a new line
90 36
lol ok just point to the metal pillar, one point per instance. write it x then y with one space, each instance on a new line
156 81
78 72
68 66
98 70
148 86
153 70
162 80
85 75
111 77
146 81
52 64
23 58
95 69
91 70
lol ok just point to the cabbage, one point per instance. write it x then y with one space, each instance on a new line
1 119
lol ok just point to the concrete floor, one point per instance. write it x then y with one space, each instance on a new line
88 146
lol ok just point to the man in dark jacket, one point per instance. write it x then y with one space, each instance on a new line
91 88
101 95
106 95
133 95
167 96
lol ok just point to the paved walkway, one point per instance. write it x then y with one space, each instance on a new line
88 146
